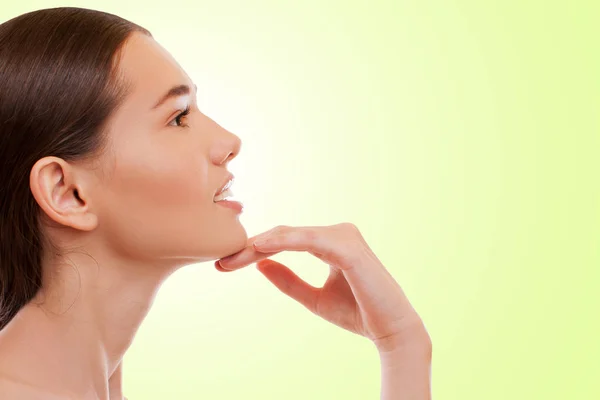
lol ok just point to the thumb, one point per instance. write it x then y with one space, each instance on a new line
289 283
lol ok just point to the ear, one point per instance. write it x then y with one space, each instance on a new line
55 186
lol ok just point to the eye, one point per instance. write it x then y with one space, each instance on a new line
179 116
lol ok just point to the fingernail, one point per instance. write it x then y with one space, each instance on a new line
224 268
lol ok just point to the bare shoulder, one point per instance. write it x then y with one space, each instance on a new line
16 380
11 384
10 390
13 389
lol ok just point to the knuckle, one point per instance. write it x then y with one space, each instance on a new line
281 228
348 226
345 243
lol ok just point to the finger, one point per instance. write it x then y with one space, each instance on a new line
343 247
319 241
219 268
246 256
290 283
242 259
285 237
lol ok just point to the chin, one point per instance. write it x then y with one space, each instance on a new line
234 241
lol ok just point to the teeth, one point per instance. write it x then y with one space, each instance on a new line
222 196
227 185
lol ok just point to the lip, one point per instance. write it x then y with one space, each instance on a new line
234 205
226 184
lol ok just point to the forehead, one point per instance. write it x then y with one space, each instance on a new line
149 67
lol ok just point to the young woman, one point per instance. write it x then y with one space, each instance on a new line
110 180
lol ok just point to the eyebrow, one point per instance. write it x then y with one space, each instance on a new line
175 91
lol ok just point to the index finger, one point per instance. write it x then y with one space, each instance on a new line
343 247
311 239
251 254
247 255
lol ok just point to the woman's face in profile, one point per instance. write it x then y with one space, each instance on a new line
156 201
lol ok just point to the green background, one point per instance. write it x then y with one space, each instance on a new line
461 137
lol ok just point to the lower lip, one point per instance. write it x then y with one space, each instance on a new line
234 205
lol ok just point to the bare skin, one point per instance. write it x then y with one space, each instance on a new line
131 219
360 295
146 209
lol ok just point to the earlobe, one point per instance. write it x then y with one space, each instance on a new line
54 186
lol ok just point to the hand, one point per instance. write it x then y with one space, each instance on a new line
360 295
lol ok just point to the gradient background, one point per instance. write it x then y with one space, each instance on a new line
461 137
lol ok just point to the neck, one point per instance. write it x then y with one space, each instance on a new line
74 334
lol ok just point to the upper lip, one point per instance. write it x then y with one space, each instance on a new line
226 184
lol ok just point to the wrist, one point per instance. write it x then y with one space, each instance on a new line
406 370
417 351
413 340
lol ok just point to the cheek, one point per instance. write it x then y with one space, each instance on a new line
165 178
157 187
172 187
154 208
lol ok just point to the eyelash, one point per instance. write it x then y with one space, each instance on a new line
183 114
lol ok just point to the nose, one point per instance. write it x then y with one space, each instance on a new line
228 148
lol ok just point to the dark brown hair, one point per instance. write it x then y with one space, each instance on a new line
59 84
